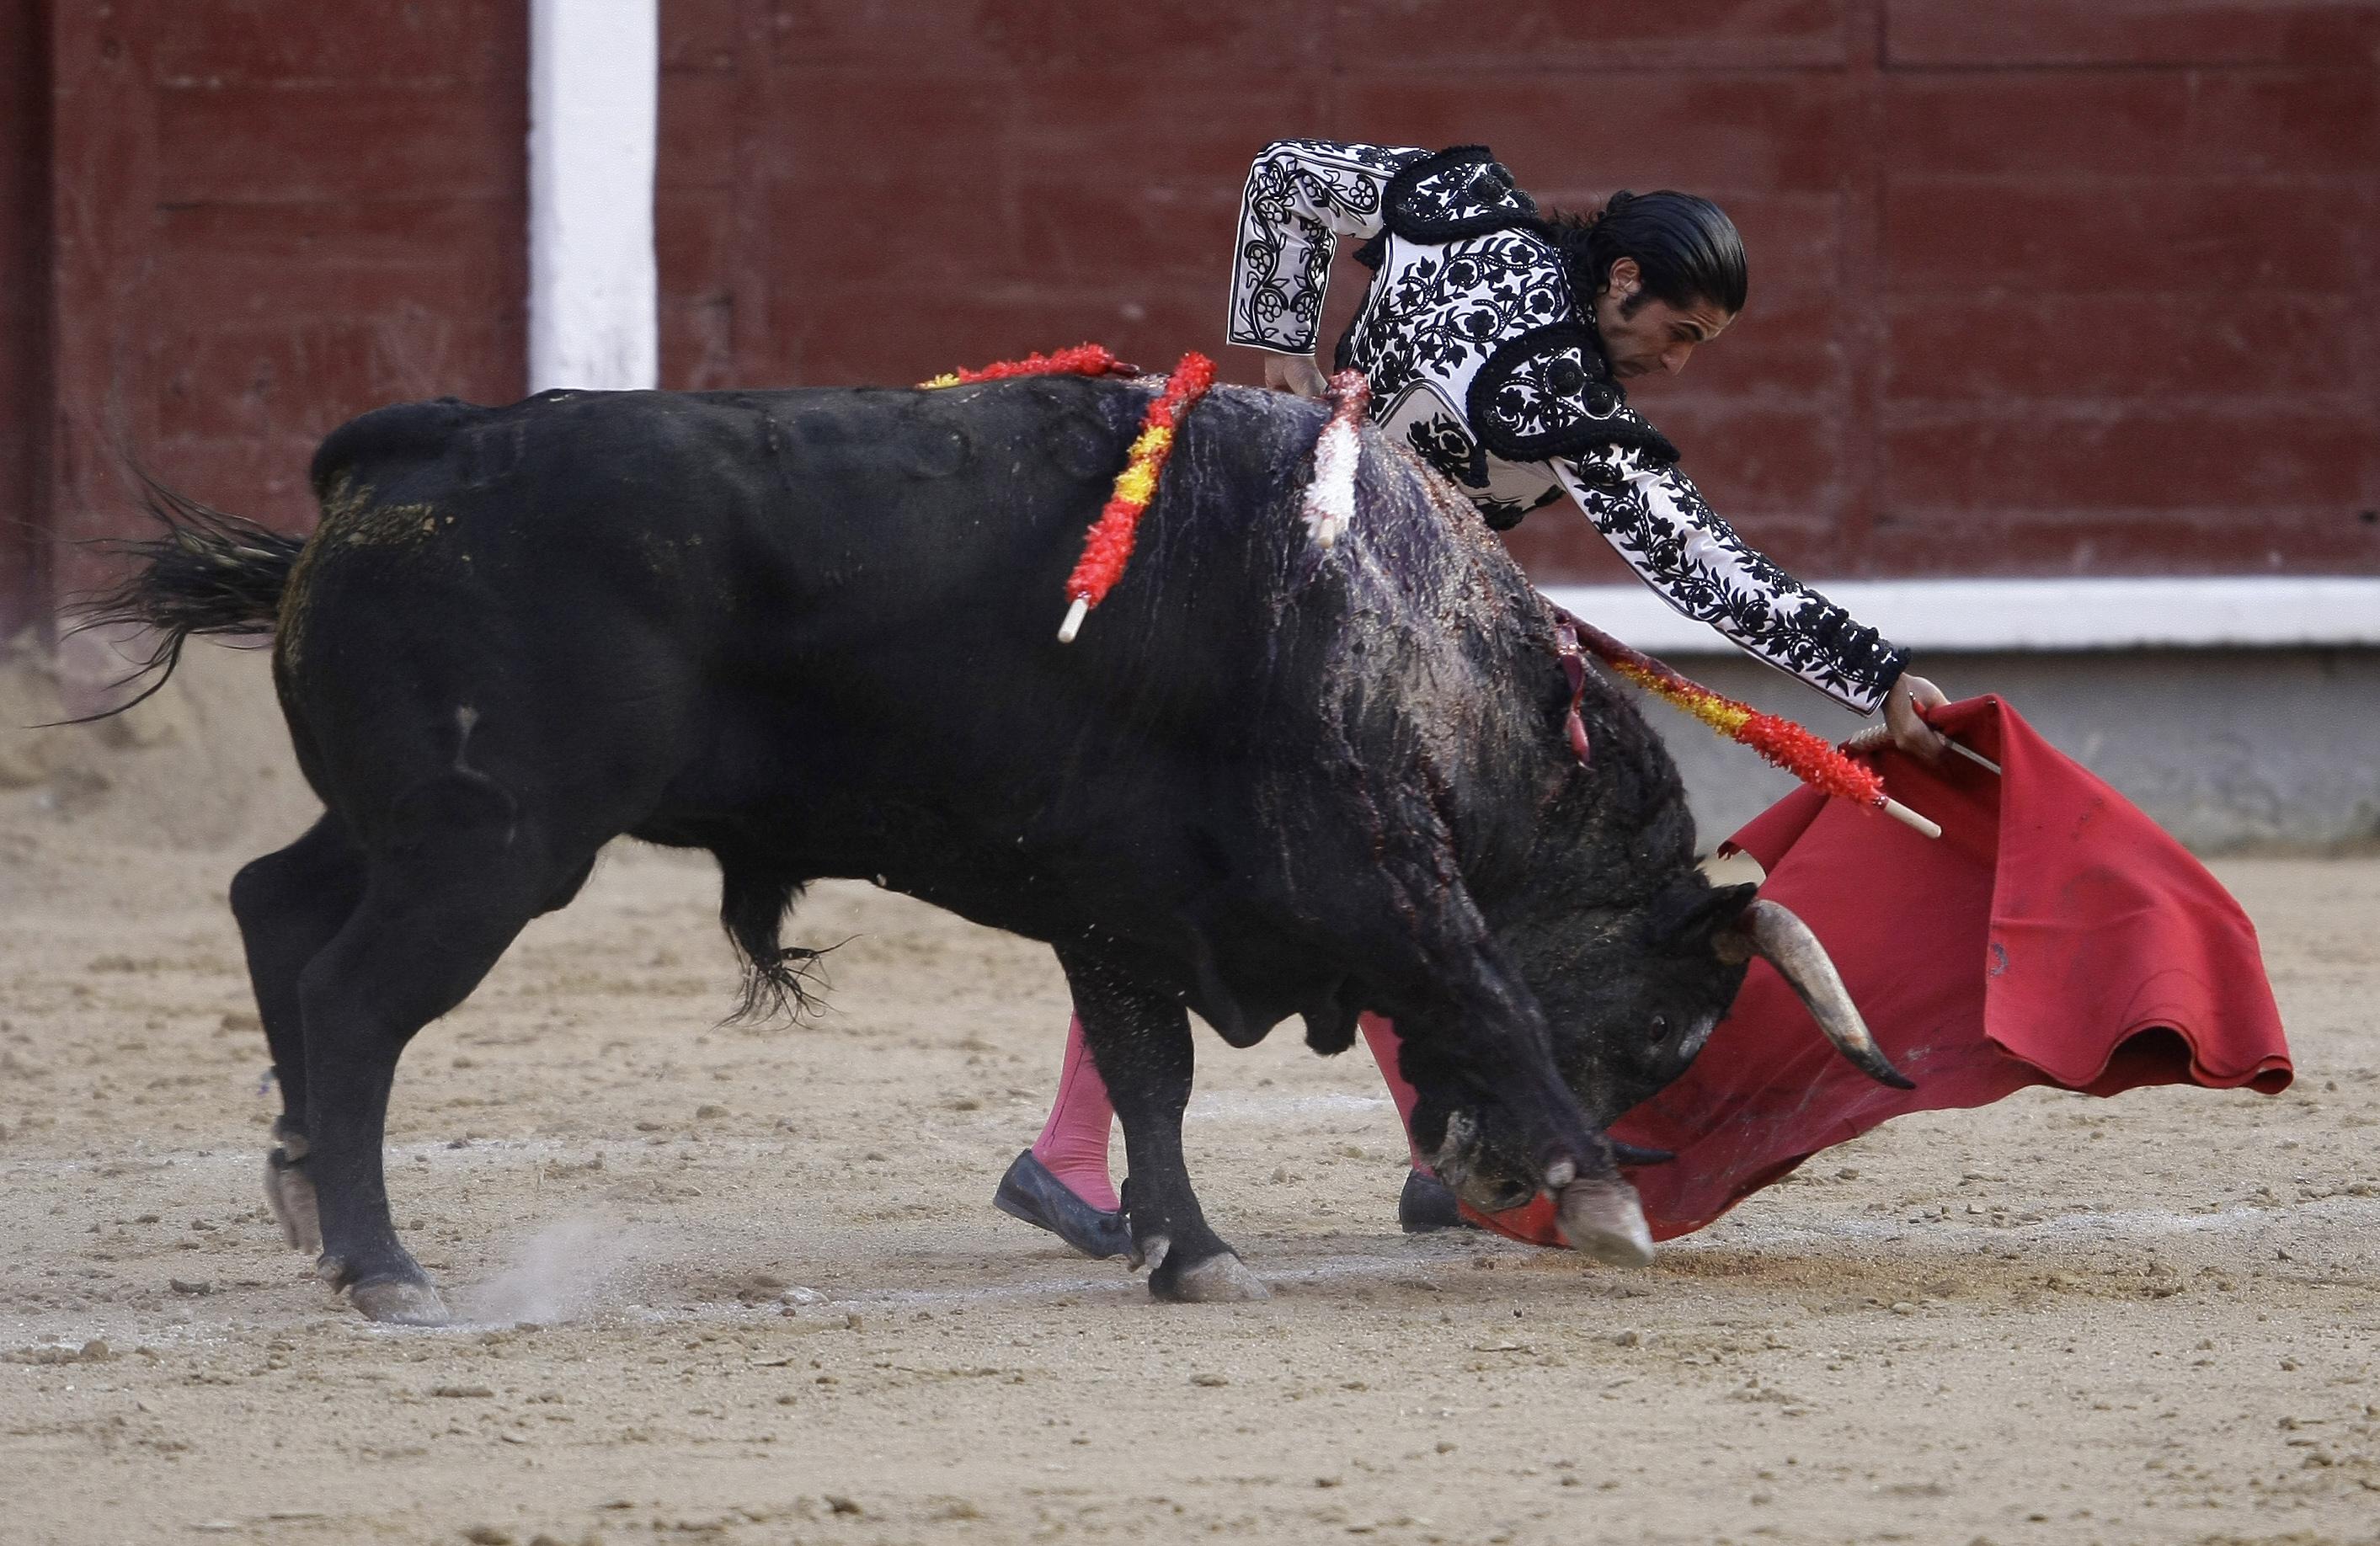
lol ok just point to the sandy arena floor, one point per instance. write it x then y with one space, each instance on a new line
748 1288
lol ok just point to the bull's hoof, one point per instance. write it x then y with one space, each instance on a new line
1222 1278
1603 1219
291 1197
395 1302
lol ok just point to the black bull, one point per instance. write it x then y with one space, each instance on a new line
812 632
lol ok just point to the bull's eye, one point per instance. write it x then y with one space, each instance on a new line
1660 1028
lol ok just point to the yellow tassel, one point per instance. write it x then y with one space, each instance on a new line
1137 485
1723 715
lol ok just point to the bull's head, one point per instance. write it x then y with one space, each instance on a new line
1630 1005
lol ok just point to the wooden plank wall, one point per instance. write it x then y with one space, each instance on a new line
270 216
24 359
2040 286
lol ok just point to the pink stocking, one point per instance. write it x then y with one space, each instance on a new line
1074 1143
1380 1035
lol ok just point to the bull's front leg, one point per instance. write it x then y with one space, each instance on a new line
1140 1039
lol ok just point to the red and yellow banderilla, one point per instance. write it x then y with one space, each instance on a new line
1786 744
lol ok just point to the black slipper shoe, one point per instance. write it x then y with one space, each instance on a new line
1427 1203
1030 1193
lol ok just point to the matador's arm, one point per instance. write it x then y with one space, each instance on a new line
1651 514
1302 195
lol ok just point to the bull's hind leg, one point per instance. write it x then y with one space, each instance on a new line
290 904
1140 1039
437 912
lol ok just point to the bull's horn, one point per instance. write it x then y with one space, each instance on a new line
1786 943
1601 1217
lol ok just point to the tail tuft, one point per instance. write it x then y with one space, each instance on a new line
209 572
781 982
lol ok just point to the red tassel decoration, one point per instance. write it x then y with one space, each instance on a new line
1109 547
1082 360
1782 741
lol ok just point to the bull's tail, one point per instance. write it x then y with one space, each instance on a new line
207 572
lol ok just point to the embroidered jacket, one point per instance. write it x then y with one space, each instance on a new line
1484 361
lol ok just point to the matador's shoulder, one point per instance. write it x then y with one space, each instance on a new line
1465 191
1383 159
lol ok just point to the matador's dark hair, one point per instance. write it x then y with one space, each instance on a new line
1685 247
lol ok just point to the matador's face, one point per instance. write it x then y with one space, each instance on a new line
1643 333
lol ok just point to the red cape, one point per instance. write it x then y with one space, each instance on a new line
2054 935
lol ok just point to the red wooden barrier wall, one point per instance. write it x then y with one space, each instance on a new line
2039 285
2045 286
24 203
265 216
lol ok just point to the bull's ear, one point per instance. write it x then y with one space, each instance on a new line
1689 916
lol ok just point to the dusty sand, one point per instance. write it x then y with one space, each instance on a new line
745 1286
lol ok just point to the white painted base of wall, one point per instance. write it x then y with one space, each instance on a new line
2222 613
2225 748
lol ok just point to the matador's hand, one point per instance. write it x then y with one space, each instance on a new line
1910 730
1296 373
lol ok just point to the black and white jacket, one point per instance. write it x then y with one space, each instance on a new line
1484 361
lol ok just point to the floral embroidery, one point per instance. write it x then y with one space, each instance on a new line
1504 514
1445 309
1461 192
1655 516
1482 360
1547 393
1444 446
1300 193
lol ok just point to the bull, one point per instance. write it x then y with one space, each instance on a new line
811 631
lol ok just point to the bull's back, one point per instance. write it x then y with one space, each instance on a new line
753 591
538 585
750 503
